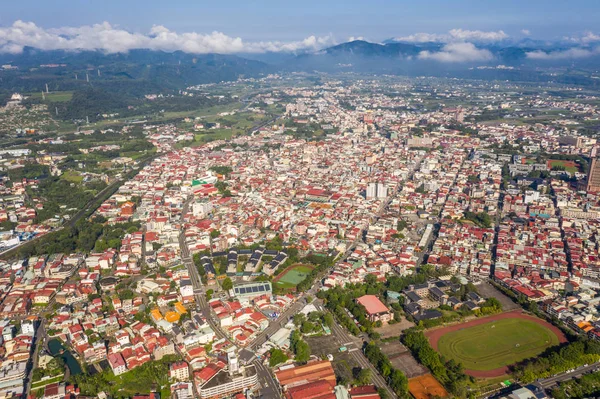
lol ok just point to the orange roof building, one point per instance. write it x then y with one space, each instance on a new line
312 372
313 390
376 310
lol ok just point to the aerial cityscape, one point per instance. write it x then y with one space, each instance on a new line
312 201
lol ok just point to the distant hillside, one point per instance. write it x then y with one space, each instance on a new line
134 73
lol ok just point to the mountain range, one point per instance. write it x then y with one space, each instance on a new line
141 71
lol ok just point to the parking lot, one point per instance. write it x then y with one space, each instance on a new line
343 362
486 290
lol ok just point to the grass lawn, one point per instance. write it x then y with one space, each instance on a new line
55 96
496 344
294 276
41 384
72 176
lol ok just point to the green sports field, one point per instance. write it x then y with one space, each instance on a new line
294 276
496 344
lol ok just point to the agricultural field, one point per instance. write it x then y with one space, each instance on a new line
490 345
293 276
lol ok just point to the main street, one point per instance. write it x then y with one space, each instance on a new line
345 339
268 386
199 293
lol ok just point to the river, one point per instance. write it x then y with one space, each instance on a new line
55 347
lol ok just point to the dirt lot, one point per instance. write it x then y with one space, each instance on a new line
487 290
343 362
402 359
394 330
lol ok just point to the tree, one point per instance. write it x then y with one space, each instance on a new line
227 284
277 357
302 352
299 318
214 234
363 377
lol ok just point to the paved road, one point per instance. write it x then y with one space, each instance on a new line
199 293
40 336
268 387
344 339
551 381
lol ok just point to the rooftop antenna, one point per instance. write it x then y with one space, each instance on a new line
46 87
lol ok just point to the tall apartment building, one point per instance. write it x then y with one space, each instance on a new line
372 190
593 182
376 190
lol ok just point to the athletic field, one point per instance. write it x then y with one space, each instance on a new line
487 347
291 277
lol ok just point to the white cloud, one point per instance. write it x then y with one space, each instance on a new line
563 55
422 38
458 52
587 37
477 35
525 32
110 39
353 38
455 35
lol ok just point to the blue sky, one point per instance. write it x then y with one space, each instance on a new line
294 20
234 27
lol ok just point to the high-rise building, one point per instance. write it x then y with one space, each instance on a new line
372 191
382 190
593 182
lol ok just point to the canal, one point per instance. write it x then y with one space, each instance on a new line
55 347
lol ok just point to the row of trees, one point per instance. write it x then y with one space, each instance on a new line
321 263
395 378
449 373
557 360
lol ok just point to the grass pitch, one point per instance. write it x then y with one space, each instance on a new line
496 344
294 276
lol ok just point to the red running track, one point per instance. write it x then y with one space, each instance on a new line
435 335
